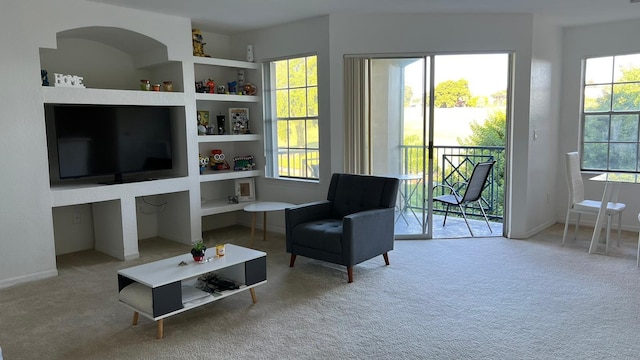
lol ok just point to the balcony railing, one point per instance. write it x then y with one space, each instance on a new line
453 165
299 163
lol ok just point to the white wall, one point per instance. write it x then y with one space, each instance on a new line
580 42
543 128
299 38
424 33
406 34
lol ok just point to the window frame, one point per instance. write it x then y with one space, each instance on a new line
610 114
310 172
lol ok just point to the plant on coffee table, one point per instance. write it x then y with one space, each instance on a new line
198 251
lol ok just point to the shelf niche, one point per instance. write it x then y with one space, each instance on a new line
111 58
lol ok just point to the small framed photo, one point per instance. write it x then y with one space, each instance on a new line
246 189
239 120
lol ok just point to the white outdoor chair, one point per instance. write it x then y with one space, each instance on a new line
578 204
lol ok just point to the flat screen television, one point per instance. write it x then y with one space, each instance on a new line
99 140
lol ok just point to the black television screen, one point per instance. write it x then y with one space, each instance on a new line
95 140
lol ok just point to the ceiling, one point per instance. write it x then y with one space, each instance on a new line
234 16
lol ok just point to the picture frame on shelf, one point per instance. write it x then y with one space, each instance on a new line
245 189
239 120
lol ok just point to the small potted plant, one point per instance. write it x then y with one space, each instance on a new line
198 251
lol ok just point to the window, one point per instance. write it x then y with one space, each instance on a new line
292 118
611 113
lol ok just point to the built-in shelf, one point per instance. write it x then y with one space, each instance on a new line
84 193
227 97
213 207
216 175
228 138
62 95
226 63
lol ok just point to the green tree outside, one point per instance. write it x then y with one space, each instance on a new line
452 93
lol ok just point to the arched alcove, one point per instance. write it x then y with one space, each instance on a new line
110 58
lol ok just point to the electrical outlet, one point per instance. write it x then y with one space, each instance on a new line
76 218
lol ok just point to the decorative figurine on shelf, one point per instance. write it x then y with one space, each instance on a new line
198 44
217 160
249 89
222 89
243 163
203 122
232 87
211 86
204 161
200 87
44 77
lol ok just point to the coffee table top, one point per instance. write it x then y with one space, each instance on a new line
267 206
168 271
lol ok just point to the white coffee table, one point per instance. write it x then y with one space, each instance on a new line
264 206
165 287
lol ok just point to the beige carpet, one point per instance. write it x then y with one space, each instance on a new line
483 298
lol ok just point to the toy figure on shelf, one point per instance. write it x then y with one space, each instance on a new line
204 161
198 44
211 85
249 89
200 88
44 77
222 89
217 160
231 87
242 163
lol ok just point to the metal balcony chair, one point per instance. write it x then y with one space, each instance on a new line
472 193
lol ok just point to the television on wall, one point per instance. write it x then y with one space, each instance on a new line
104 140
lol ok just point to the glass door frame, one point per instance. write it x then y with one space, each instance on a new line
428 132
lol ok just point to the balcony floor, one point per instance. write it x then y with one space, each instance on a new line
455 227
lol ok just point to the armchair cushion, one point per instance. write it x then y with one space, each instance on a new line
322 234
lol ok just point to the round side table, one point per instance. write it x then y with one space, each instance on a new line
264 207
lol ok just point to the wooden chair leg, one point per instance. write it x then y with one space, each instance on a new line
386 258
293 260
350 273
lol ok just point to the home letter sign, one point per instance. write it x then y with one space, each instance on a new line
68 81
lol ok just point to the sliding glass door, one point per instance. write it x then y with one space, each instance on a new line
432 118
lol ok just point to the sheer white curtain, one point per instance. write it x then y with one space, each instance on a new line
356 116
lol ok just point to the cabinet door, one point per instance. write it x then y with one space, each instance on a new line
256 270
167 298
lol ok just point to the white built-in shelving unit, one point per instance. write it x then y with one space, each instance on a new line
115 209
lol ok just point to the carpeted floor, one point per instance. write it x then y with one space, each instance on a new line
482 298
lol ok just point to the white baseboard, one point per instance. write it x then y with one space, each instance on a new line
28 278
533 231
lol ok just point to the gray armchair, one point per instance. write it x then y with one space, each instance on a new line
354 224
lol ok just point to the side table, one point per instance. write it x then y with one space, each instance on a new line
264 206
